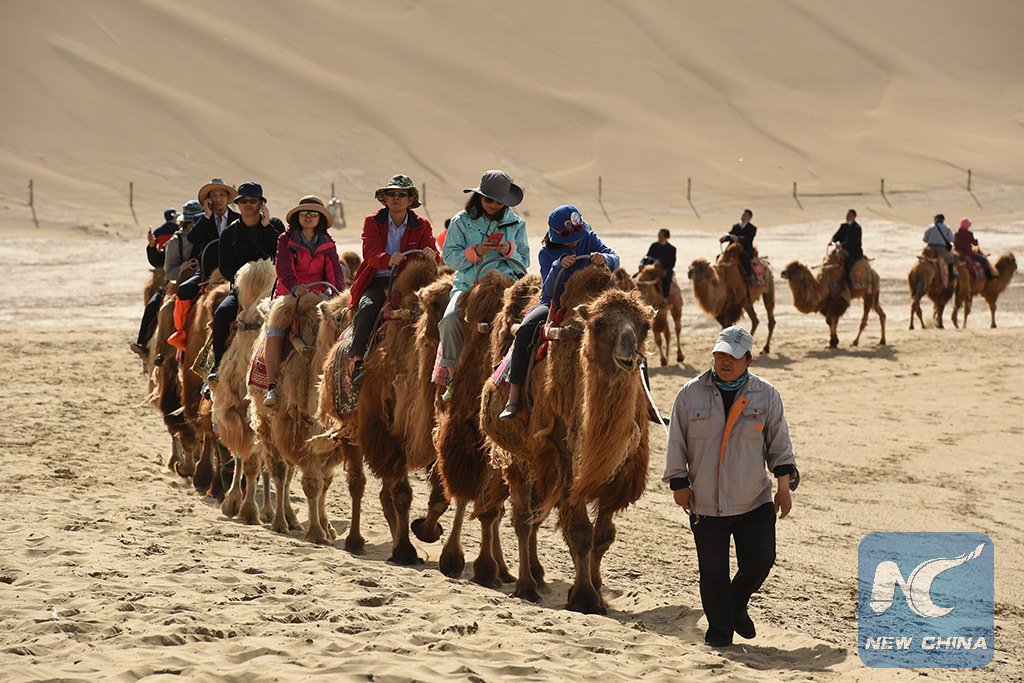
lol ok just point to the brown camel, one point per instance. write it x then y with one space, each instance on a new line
462 460
648 281
724 295
829 295
253 282
969 285
926 277
285 430
394 415
205 468
571 447
350 261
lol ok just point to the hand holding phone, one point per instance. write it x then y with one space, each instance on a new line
494 238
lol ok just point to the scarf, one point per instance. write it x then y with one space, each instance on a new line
729 386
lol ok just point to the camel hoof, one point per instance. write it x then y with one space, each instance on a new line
680 358
506 576
664 362
249 514
405 556
266 515
418 527
529 593
232 501
355 544
833 343
855 343
279 526
316 536
452 564
485 573
585 602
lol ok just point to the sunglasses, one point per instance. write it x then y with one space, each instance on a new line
309 214
574 224
394 194
247 200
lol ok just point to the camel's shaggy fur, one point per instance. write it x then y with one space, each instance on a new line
648 281
925 278
990 290
575 448
462 459
206 469
285 430
230 397
350 261
723 293
395 409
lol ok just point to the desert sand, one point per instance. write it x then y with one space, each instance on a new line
114 569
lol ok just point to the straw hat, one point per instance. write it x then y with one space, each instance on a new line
216 184
311 203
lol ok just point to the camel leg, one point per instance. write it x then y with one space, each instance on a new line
769 308
752 314
387 506
833 333
202 476
485 566
249 513
428 529
218 458
186 467
403 551
881 317
279 473
863 320
992 310
453 559
354 542
266 507
579 535
604 536
312 486
523 523
325 521
289 511
677 318
661 339
504 574
233 498
176 455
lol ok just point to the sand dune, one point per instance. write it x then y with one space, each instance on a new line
744 97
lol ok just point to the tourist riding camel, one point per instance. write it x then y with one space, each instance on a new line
744 233
387 233
663 253
939 238
849 237
967 248
487 224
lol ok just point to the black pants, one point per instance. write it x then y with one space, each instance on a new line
754 534
666 285
148 324
848 264
189 288
223 319
523 344
370 303
745 258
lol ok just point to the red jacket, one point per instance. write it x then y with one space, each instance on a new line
296 266
418 235
964 240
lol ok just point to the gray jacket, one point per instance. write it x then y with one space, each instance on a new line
175 254
734 481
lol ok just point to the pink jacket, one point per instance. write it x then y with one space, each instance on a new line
297 266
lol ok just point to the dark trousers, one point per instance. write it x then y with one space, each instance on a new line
666 285
149 315
523 344
745 258
754 534
370 303
223 319
848 264
189 289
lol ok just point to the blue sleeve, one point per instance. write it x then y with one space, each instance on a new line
545 257
455 243
596 245
522 244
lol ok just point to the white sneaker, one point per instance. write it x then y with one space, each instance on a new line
448 393
271 397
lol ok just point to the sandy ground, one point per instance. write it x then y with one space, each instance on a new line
114 569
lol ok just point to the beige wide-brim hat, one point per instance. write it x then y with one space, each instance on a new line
311 203
399 182
216 184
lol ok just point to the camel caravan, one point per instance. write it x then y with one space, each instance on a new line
269 355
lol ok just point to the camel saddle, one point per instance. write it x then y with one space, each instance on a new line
756 274
343 393
975 268
258 377
860 274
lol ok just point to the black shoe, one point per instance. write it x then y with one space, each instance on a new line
509 412
139 351
205 392
717 640
744 626
652 415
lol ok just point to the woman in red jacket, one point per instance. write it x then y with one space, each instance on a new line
386 234
305 254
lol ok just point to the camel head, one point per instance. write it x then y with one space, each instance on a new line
616 327
699 270
807 291
483 300
335 315
350 261
432 301
648 281
254 281
730 256
1007 263
622 280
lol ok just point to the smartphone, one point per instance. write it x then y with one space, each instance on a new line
494 238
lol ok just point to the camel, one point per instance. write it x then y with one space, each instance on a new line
253 282
926 277
350 261
285 430
723 293
204 467
462 459
393 419
969 285
648 280
829 295
571 447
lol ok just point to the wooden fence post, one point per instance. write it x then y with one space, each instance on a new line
600 190
131 200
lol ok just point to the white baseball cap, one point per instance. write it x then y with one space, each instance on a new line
734 341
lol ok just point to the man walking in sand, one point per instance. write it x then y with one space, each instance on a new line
726 425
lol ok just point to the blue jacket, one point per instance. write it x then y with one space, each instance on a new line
550 255
465 232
